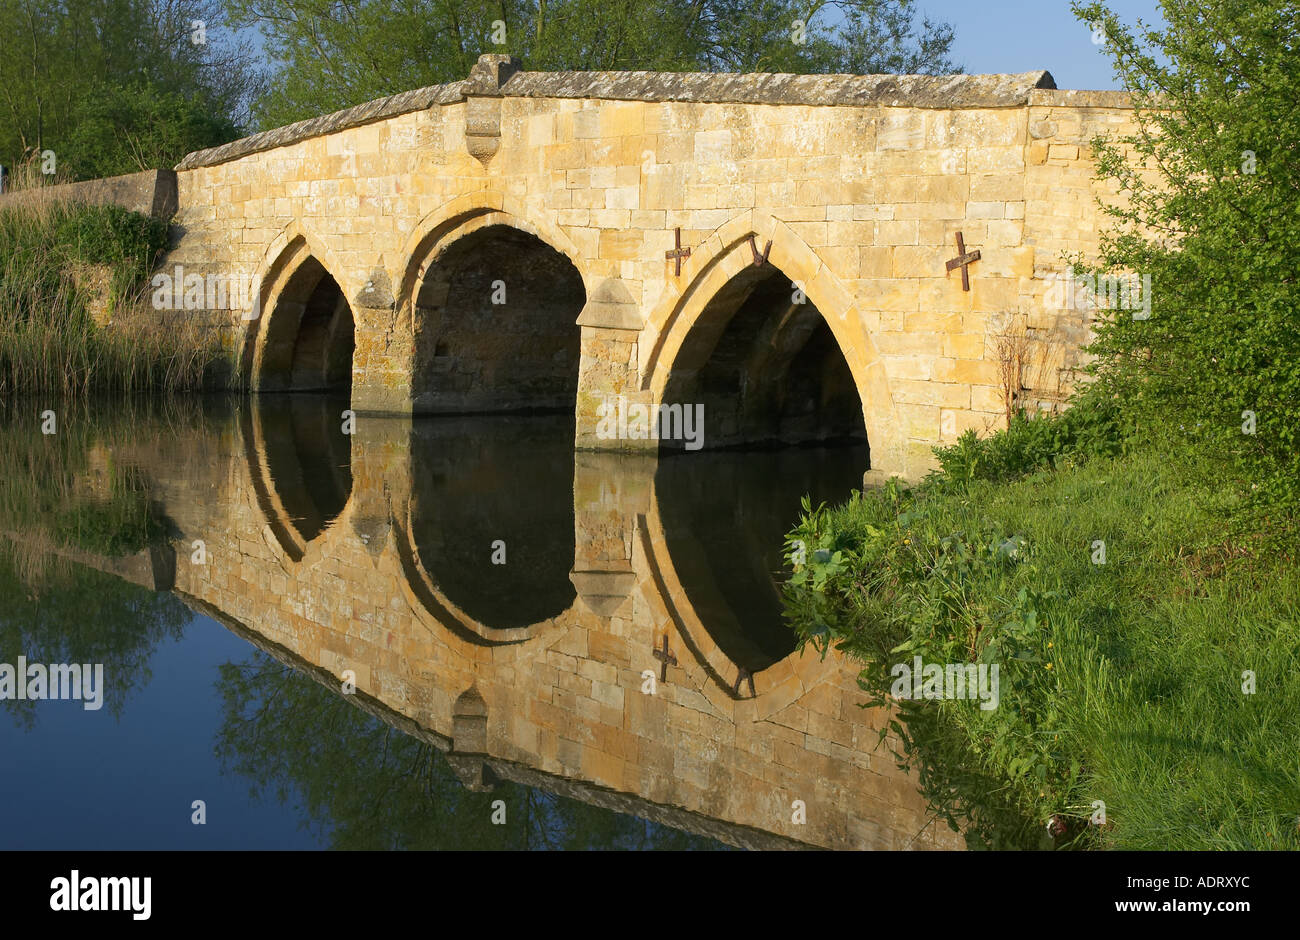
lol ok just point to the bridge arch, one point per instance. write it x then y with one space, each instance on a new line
491 299
299 465
715 672
450 221
688 322
304 333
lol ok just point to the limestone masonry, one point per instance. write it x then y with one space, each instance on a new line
859 183
562 703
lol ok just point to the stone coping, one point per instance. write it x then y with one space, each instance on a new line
377 110
891 91
1069 98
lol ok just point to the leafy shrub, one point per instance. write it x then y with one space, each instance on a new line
133 127
1120 681
1089 429
1209 214
887 578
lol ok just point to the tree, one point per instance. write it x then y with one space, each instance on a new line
337 53
360 784
110 84
1210 210
128 128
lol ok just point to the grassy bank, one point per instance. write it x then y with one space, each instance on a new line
1124 667
54 260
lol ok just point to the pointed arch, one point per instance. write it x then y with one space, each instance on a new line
294 265
491 299
725 262
461 216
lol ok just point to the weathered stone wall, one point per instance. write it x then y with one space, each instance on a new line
566 698
152 192
1063 220
860 184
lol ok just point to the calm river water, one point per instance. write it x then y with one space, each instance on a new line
430 633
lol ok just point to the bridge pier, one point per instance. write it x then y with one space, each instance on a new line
382 363
609 492
608 379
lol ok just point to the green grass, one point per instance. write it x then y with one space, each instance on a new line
49 342
1120 682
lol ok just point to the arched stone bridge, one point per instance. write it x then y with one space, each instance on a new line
510 242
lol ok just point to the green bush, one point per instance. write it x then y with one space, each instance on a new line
1120 681
1091 428
129 128
1210 215
110 234
128 242
39 246
895 575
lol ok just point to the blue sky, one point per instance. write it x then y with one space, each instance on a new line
1024 35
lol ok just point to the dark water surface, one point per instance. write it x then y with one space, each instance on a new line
222 684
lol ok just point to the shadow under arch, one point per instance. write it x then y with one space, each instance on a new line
484 555
763 365
491 299
304 338
299 462
719 279
462 215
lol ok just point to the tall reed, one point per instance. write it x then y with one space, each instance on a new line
49 342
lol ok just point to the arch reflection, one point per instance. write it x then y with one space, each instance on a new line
725 516
301 464
491 515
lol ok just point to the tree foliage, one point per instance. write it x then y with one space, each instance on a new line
1212 212
336 53
360 784
115 86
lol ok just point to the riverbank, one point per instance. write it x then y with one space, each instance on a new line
73 305
1149 660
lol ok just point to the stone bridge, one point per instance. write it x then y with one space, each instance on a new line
355 574
510 242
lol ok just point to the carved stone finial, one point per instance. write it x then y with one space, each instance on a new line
491 72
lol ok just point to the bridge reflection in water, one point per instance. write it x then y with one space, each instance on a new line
502 598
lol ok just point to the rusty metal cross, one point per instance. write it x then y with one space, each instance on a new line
677 255
963 260
666 657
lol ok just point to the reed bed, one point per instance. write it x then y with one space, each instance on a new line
50 344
